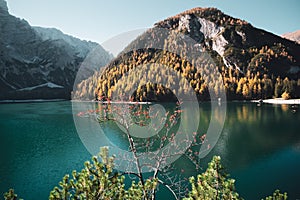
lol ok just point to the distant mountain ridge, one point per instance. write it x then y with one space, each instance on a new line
40 63
82 46
254 63
294 36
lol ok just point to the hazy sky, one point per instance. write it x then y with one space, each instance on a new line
99 20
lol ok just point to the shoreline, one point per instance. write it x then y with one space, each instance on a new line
268 101
31 100
114 102
278 101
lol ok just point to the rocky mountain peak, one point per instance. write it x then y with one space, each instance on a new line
3 6
212 14
209 27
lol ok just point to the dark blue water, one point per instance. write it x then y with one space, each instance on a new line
259 147
39 144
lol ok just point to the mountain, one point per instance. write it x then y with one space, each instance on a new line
294 36
199 44
83 47
40 63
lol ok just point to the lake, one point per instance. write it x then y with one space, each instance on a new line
259 147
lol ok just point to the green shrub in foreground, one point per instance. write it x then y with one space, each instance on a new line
98 181
213 183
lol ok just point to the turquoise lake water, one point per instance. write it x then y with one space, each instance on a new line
259 147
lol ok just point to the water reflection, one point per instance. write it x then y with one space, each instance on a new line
251 132
259 146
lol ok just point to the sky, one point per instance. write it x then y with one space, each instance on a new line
99 20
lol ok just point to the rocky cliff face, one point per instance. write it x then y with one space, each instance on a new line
226 35
37 62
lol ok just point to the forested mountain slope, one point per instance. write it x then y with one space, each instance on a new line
253 63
